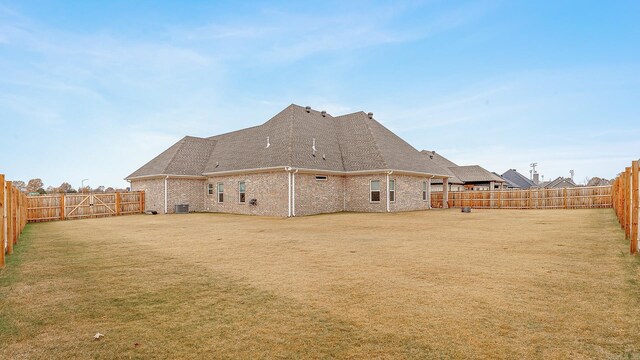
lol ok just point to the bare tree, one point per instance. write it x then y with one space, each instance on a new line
65 187
20 185
34 185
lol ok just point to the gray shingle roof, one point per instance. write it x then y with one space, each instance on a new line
345 143
560 182
186 157
443 163
522 181
474 173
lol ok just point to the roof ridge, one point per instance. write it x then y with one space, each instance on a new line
373 138
182 141
337 129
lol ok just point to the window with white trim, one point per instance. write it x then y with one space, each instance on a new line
210 189
392 191
374 191
220 189
424 191
242 187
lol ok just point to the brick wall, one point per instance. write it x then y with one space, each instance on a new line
408 193
319 196
185 191
153 193
337 193
180 191
269 189
357 194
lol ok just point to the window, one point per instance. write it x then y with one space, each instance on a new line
210 189
424 191
220 192
392 191
241 192
321 177
374 187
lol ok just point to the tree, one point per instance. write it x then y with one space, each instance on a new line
99 189
52 190
110 190
42 191
19 185
34 185
65 187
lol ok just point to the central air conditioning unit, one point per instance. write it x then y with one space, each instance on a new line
182 209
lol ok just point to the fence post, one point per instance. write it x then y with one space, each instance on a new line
15 205
2 225
627 205
9 205
62 206
634 208
143 203
117 203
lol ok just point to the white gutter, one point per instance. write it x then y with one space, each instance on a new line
388 202
319 171
165 194
293 192
143 177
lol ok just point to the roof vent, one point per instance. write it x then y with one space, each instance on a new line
268 143
217 164
308 108
324 113
313 147
324 157
370 115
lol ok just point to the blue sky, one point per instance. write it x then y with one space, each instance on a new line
96 89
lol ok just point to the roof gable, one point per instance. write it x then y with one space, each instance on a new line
522 181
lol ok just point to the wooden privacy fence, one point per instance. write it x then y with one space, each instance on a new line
626 203
565 198
82 206
13 217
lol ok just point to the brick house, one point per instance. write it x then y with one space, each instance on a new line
466 177
300 162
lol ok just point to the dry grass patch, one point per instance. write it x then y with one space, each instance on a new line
438 284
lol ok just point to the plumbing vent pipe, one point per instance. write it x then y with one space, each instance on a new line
370 115
324 113
308 108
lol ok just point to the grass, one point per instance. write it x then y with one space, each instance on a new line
438 284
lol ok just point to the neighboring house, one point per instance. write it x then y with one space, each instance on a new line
469 177
507 183
560 182
520 180
300 162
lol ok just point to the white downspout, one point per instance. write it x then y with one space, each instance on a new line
293 192
388 202
288 170
165 194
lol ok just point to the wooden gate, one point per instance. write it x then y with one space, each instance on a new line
80 206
